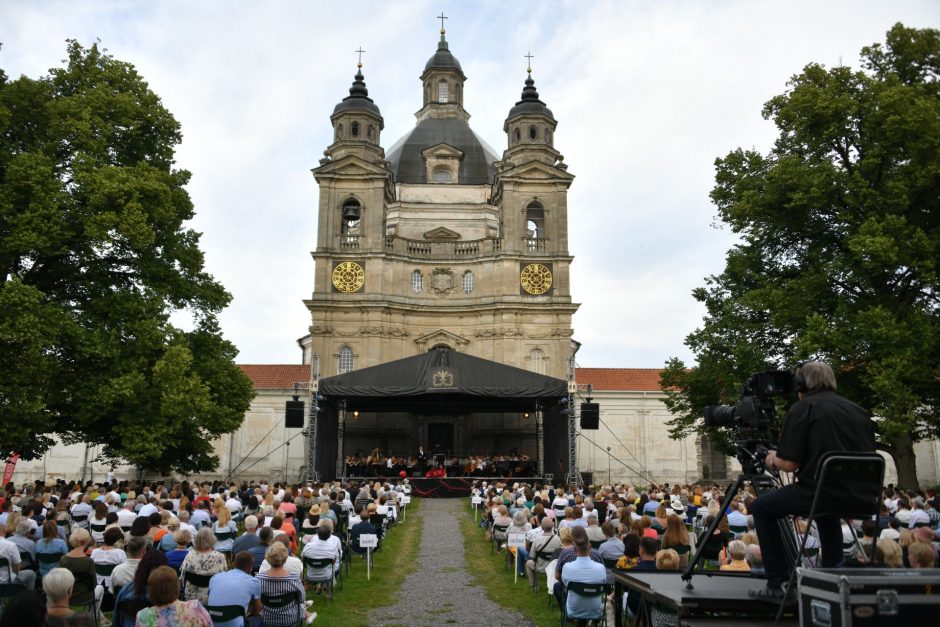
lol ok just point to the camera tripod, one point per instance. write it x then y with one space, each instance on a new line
762 483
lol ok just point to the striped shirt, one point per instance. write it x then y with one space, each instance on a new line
271 586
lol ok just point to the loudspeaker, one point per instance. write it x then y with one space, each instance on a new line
590 415
294 415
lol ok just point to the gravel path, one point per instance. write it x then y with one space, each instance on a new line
440 590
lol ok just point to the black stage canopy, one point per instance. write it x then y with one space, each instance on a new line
442 381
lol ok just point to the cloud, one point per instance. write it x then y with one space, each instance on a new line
647 95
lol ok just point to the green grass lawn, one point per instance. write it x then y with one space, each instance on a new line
490 572
390 566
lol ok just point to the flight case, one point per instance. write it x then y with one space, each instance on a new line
843 597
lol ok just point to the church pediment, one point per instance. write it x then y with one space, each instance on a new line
442 151
441 234
440 337
350 166
536 170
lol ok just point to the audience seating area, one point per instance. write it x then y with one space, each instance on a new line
659 528
249 554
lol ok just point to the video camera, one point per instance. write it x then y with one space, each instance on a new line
753 417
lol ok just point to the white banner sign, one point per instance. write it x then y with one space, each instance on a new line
476 500
368 541
405 500
516 539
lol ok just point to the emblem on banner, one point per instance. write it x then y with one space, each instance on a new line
442 379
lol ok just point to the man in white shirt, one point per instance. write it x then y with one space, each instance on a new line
918 515
232 503
293 565
11 553
904 511
200 516
149 508
124 572
324 545
82 508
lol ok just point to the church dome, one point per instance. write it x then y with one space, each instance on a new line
530 103
443 58
358 98
407 162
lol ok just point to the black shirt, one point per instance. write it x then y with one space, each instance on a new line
821 423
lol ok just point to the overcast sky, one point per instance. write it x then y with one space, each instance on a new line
647 95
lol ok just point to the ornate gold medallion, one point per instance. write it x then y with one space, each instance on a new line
348 276
536 278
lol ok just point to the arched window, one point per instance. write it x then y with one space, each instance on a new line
371 133
533 133
537 361
516 136
467 282
535 225
354 127
339 131
442 175
442 91
345 360
351 213
417 281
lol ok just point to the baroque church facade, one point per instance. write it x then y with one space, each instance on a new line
438 241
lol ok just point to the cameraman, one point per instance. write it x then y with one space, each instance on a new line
819 423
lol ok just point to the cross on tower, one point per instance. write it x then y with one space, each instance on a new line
529 56
359 51
442 17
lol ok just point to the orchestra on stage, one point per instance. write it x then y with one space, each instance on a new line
438 464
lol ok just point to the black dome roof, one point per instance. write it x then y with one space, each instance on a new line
358 98
407 162
530 103
443 57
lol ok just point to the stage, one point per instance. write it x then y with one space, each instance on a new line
446 487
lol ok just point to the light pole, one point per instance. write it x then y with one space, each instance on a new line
608 466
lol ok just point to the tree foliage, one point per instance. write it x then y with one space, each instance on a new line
839 249
95 257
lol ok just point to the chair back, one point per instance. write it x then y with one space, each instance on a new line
587 589
225 613
49 558
104 570
279 601
80 518
314 562
611 562
128 608
195 579
595 544
849 484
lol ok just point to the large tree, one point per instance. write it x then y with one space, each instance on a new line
95 257
839 249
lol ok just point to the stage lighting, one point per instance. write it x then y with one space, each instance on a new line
355 413
525 415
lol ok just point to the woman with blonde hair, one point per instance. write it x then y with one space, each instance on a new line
890 553
59 584
667 559
224 529
82 568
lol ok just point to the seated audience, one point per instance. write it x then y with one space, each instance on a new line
584 570
202 560
83 569
278 581
164 590
58 585
237 587
324 545
123 573
50 544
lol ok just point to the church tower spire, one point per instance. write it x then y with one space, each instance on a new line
442 82
357 122
530 126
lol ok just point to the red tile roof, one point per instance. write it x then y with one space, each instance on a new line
276 376
620 379
283 377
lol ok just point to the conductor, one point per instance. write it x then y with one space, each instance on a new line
819 423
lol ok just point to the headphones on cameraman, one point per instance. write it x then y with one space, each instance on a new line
799 381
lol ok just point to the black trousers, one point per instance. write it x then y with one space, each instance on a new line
768 509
